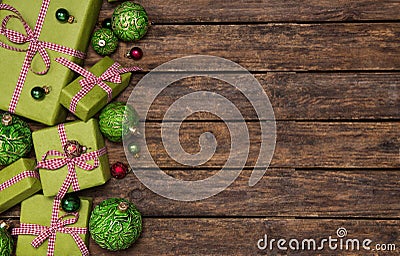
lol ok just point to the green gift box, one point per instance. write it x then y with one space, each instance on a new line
88 135
19 183
75 36
96 98
38 210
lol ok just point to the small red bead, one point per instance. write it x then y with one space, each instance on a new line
135 53
119 170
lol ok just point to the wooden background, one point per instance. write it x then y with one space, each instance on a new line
330 69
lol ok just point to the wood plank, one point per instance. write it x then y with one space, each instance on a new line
299 144
273 47
294 96
169 11
281 192
240 236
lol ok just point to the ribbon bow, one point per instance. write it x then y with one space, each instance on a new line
35 46
64 159
112 74
59 225
81 161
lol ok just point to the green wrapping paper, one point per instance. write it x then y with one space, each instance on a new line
21 190
88 135
37 210
96 99
76 36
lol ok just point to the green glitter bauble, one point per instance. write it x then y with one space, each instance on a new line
115 123
6 242
104 42
15 140
130 21
115 224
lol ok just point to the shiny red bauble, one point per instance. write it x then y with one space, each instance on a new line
135 53
119 170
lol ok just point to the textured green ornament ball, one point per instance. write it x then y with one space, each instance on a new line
115 224
130 21
6 242
115 123
104 42
15 139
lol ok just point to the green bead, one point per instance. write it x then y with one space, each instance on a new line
38 93
116 120
106 23
133 148
6 242
104 42
62 15
115 224
70 203
15 140
130 21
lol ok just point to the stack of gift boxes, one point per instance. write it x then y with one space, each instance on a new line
38 50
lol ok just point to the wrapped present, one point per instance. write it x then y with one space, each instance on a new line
90 92
73 157
18 181
45 229
31 38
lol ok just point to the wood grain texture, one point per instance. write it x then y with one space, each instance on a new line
281 192
240 236
294 96
265 11
337 159
273 47
298 144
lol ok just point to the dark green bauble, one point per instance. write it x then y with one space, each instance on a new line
15 139
38 93
130 21
104 42
6 242
117 120
106 23
134 149
115 224
62 15
71 203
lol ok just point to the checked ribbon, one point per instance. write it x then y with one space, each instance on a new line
18 178
112 74
58 225
35 46
62 159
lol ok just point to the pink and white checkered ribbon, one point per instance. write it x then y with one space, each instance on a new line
18 178
112 74
35 46
62 159
59 225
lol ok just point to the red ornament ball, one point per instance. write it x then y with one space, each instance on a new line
135 53
119 170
